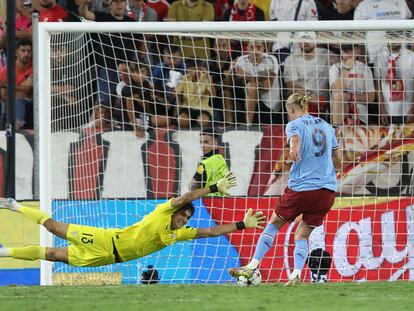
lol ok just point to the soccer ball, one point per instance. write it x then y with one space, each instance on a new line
254 280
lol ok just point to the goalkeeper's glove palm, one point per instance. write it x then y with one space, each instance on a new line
253 221
227 182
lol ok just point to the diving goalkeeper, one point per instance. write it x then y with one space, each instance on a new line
91 246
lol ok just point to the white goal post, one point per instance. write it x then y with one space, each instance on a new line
50 157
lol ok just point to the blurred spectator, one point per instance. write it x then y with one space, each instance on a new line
380 10
23 31
410 4
140 12
352 88
101 118
117 12
110 49
355 3
213 165
159 6
162 110
72 8
323 6
66 110
36 5
23 26
136 95
3 38
172 62
336 10
220 69
258 72
124 78
244 10
306 71
194 95
3 10
51 11
192 11
24 83
142 106
294 10
341 10
101 6
264 5
220 9
329 4
23 21
124 74
395 69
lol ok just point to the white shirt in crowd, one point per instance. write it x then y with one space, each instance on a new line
269 63
285 10
360 80
309 74
380 10
404 74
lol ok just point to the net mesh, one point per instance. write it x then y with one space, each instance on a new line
128 110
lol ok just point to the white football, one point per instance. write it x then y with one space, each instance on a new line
254 280
242 281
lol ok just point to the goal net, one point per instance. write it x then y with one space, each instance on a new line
122 112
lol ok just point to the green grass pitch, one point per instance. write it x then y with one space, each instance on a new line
395 296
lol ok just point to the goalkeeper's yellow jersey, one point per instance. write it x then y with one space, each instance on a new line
150 234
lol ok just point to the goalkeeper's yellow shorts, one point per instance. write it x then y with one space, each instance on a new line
90 246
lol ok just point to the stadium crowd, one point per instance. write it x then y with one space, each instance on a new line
145 81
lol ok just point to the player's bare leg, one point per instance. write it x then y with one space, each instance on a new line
300 253
57 254
264 243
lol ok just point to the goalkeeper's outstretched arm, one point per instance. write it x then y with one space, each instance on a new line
249 221
222 186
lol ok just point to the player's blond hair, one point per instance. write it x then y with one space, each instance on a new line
298 100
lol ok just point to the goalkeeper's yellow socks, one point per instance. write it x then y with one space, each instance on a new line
33 214
25 253
28 252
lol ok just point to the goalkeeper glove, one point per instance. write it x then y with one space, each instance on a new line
251 221
225 183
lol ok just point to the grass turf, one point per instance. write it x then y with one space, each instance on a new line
394 296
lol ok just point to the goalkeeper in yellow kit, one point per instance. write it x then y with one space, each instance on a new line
91 246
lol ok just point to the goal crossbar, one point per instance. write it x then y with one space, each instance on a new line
272 26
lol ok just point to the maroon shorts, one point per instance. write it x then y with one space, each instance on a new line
313 204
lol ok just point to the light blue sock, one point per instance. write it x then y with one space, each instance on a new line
300 254
264 243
